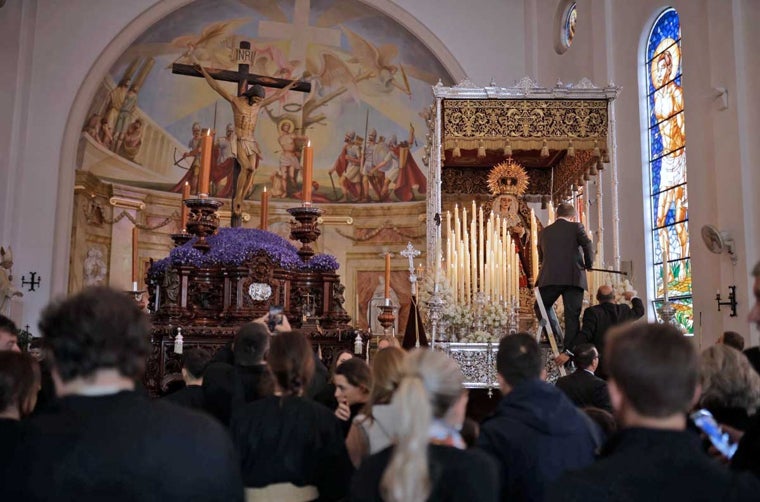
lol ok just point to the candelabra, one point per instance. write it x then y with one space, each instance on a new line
435 305
386 317
203 220
180 238
514 317
304 229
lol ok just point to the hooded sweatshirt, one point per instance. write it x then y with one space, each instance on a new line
536 434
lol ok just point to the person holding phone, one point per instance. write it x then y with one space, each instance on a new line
653 384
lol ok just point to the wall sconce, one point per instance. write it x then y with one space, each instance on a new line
731 300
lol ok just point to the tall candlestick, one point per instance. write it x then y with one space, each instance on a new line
453 268
207 145
387 275
264 223
135 262
308 166
534 245
457 229
437 260
481 252
184 209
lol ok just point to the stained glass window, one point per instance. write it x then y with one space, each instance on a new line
670 264
568 25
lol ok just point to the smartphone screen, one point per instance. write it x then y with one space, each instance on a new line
719 439
275 317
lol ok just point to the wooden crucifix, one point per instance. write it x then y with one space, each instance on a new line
246 104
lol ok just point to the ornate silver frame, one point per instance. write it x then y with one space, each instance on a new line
525 88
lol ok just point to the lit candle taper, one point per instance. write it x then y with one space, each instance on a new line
263 224
207 145
308 169
387 276
135 262
184 209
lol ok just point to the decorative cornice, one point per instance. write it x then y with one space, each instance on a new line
526 88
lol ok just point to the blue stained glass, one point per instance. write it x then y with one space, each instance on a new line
655 174
667 25
655 142
667 163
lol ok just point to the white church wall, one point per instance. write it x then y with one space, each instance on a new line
721 151
57 45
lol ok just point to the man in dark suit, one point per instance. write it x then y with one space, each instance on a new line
194 363
654 376
597 321
583 387
565 252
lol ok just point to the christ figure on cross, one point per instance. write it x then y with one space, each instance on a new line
245 111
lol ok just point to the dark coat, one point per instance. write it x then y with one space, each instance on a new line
536 434
585 389
227 387
292 440
565 252
747 456
124 447
190 396
456 475
649 464
597 321
10 431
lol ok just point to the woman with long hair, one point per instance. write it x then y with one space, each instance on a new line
372 429
428 461
326 395
353 381
291 448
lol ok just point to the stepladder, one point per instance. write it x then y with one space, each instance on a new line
544 322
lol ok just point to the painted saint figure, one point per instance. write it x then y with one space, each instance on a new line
668 108
245 111
348 167
290 164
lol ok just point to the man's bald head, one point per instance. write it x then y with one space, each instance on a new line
605 294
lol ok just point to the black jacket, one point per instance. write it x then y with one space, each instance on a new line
123 447
649 464
565 252
597 320
292 440
190 396
536 434
585 389
455 475
227 387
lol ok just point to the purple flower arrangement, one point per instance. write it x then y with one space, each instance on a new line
233 246
321 263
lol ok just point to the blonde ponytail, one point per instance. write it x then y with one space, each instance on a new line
431 385
406 478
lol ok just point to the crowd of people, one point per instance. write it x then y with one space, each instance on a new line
263 419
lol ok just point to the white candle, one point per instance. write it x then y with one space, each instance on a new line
481 252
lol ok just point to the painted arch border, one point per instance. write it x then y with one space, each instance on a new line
108 57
